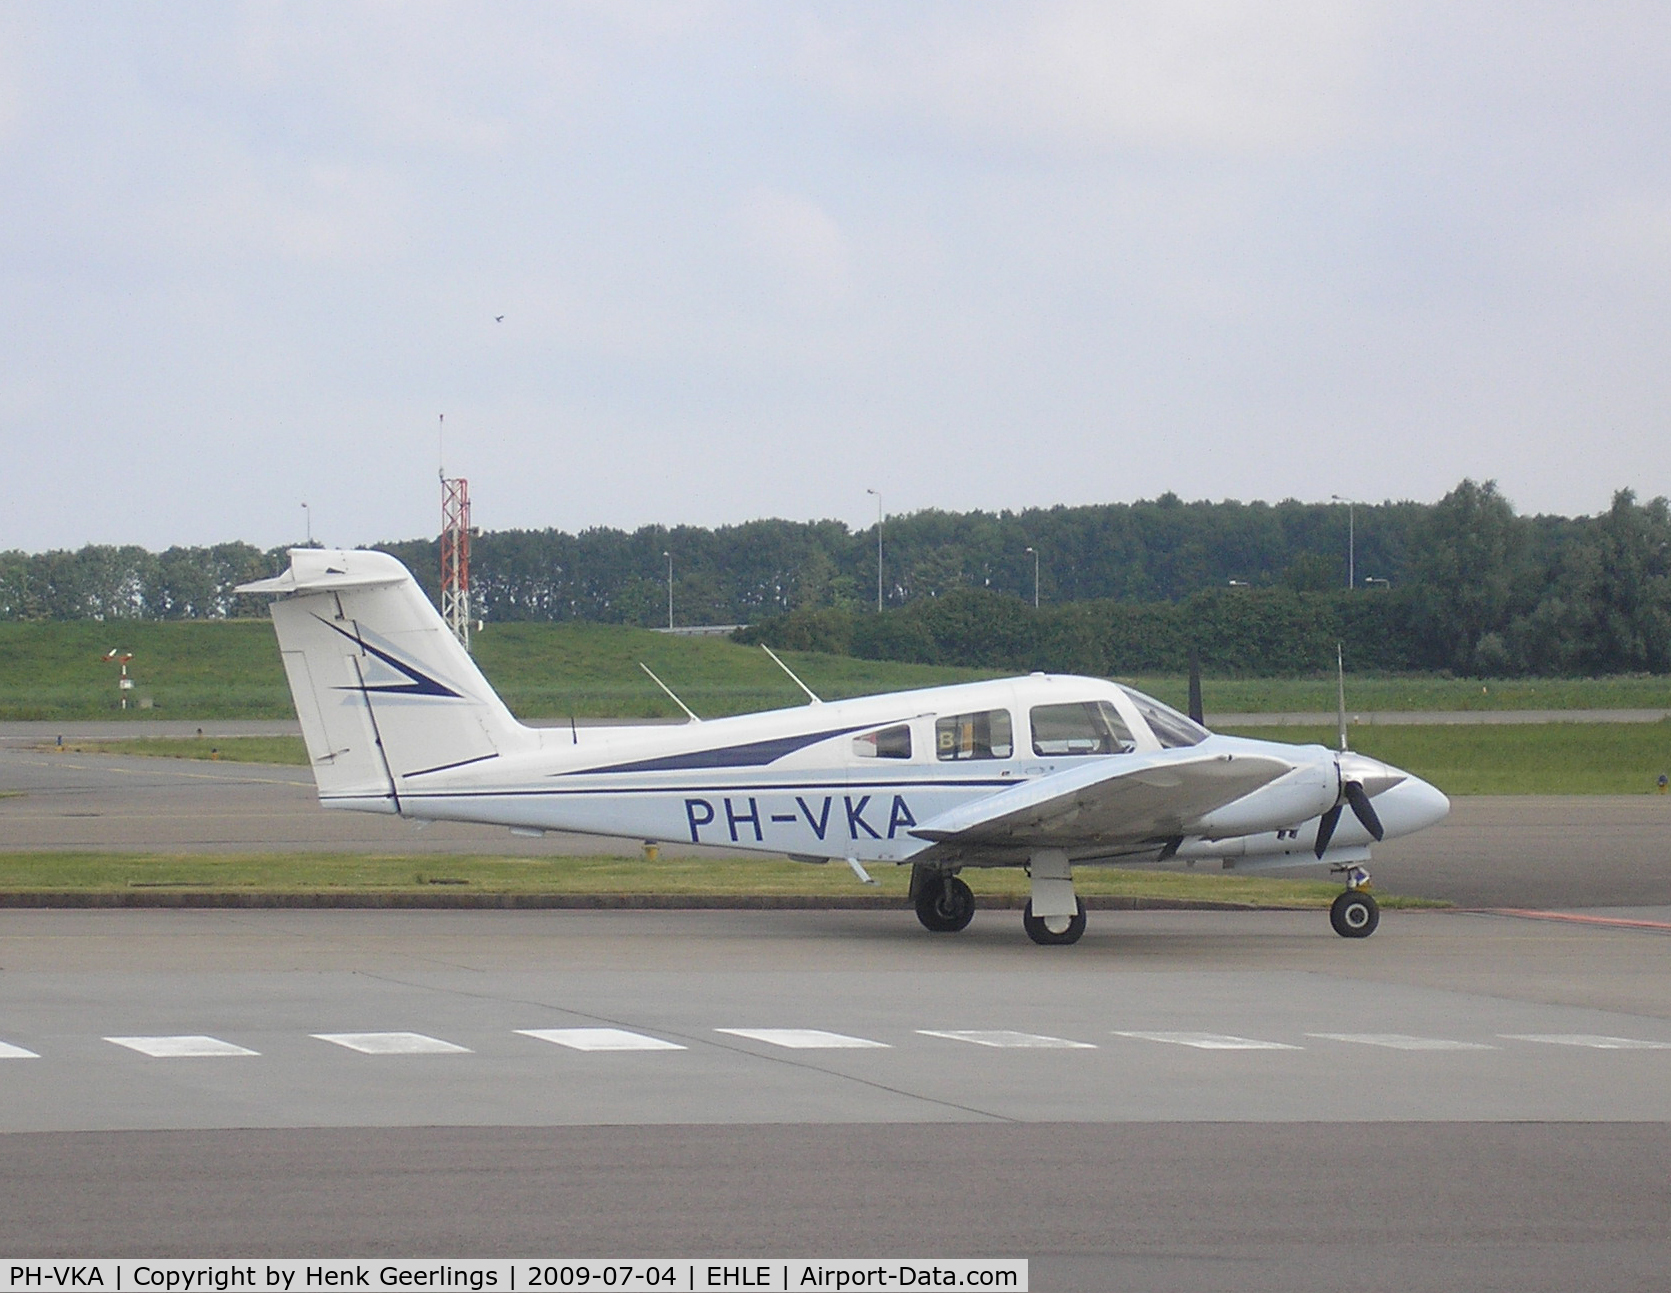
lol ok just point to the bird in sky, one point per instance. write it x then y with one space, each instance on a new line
498 318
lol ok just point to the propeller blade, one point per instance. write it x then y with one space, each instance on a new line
1358 797
1325 829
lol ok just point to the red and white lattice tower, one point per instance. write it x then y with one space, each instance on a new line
455 556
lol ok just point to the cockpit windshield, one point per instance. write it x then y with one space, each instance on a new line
1171 728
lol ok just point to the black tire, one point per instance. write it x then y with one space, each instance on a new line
944 904
1355 914
1034 925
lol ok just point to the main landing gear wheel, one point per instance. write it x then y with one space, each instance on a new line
1046 937
944 904
1355 914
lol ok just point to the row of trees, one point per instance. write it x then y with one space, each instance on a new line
1464 584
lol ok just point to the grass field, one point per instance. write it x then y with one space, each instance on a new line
231 669
1488 759
356 874
1514 758
1406 692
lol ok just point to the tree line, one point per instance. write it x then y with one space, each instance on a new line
1464 584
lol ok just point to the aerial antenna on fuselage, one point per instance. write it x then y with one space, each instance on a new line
1340 693
681 704
811 695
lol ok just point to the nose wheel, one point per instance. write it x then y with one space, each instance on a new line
1355 914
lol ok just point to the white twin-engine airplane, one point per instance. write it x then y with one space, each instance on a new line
1045 772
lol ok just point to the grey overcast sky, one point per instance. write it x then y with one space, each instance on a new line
753 258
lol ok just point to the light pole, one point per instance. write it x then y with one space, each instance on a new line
307 514
1351 540
878 494
1035 553
669 557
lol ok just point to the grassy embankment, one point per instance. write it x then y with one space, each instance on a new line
215 669
232 670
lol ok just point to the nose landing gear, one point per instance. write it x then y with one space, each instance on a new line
1355 913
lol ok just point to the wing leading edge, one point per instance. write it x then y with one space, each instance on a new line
1120 803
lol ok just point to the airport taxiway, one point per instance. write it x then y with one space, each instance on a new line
1250 1102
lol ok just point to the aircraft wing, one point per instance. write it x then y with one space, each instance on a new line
1124 800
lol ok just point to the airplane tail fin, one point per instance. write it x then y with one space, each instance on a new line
385 693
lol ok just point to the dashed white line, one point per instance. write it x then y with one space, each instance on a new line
10 1052
1403 1042
1209 1041
1591 1040
805 1039
1005 1037
191 1046
600 1039
393 1043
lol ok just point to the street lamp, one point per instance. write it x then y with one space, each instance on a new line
1035 553
878 494
669 557
1351 540
307 514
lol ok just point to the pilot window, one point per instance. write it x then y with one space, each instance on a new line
888 743
1083 727
985 735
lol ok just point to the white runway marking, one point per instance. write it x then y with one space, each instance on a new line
1210 1041
393 1043
1006 1037
600 1039
10 1052
804 1039
1403 1042
1591 1040
188 1047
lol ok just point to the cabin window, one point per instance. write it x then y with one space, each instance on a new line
985 735
1083 727
887 743
1171 729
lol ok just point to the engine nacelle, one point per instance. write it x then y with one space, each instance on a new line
1310 790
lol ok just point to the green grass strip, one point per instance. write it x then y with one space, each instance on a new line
351 874
287 750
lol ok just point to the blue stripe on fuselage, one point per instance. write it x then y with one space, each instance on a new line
753 754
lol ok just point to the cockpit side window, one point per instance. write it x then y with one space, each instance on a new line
985 735
885 743
1171 729
1079 727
